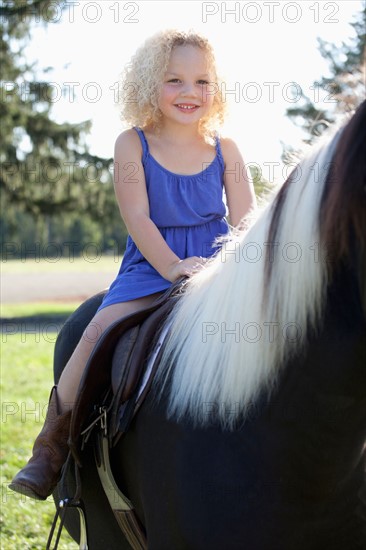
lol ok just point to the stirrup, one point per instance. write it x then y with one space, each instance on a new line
62 508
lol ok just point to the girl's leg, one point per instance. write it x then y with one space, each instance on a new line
40 476
72 373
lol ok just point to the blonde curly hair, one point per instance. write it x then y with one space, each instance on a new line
142 78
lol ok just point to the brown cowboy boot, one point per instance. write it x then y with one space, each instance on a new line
40 476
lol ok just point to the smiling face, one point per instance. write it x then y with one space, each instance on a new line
186 94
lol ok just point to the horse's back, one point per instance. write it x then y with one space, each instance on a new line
261 487
291 476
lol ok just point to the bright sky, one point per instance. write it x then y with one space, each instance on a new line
266 51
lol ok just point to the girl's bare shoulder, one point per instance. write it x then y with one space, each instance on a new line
128 142
227 143
229 148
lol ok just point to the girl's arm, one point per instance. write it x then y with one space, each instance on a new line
132 198
239 190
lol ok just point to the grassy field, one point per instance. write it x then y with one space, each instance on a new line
59 265
26 362
26 379
29 309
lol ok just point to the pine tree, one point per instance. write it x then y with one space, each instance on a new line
46 168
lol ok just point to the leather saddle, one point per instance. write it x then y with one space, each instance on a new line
112 389
126 344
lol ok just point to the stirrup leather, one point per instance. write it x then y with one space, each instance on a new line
121 506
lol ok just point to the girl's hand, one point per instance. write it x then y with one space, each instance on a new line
185 268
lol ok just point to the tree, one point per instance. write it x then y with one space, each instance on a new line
344 90
46 169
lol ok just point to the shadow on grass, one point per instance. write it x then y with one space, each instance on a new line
49 321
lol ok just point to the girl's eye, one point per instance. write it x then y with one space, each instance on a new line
177 80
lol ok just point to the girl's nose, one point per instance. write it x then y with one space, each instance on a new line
188 89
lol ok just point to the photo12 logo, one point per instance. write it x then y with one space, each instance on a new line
70 11
253 12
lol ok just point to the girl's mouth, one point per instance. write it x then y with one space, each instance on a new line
187 107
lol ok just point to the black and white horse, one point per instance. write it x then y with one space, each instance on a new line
253 434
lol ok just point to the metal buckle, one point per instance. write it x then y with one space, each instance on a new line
61 511
102 418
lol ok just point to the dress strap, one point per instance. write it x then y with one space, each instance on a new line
219 152
145 145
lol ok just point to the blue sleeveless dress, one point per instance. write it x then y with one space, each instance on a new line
189 213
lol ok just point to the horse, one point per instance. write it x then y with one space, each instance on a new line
253 433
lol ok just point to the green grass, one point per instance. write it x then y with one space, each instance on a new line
104 264
28 309
26 379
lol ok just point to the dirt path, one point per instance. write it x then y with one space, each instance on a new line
33 287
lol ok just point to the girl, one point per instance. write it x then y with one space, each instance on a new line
170 170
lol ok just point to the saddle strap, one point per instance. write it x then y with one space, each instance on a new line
121 506
96 378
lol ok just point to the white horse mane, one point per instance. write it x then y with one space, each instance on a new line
230 335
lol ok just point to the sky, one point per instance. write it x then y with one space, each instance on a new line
266 51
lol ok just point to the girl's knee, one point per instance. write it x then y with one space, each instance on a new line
108 315
93 331
101 321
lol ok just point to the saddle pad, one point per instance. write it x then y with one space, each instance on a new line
151 362
96 379
129 361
